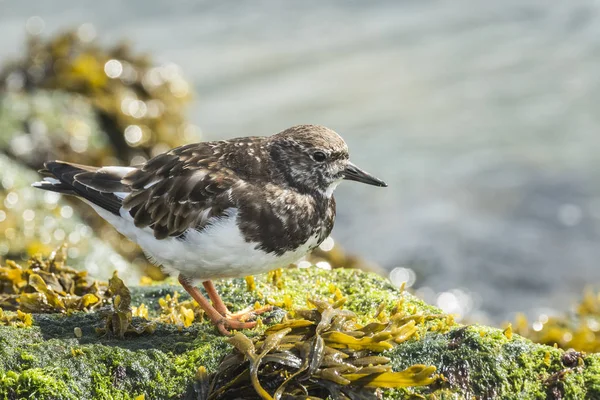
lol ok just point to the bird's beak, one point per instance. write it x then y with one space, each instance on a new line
353 173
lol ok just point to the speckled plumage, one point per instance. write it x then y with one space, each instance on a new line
221 209
192 185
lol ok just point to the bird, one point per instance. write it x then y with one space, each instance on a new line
221 209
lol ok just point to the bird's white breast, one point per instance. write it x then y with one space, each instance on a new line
218 251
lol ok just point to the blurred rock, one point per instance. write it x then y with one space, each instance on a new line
140 107
45 125
32 222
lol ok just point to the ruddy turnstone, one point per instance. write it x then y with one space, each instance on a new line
221 209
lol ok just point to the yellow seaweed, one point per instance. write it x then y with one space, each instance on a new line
48 286
339 340
579 330
18 319
177 312
294 323
119 319
416 375
250 283
321 349
405 332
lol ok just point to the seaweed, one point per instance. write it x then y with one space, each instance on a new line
579 330
49 360
18 319
181 313
119 315
316 353
48 286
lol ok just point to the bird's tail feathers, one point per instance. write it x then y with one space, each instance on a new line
102 186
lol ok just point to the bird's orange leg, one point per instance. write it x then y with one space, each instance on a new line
218 304
215 298
220 321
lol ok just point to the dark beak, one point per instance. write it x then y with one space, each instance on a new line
353 173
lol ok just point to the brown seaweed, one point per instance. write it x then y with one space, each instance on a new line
320 353
119 316
48 286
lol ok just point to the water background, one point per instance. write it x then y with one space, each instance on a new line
483 117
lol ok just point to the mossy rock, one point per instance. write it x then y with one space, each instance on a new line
51 124
123 90
48 361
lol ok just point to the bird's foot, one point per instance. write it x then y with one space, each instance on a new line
218 313
241 319
244 315
223 323
247 313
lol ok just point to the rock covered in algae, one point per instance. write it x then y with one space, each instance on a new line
140 107
63 356
46 125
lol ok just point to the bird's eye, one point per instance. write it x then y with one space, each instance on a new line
319 156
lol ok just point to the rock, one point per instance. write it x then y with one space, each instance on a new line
55 360
137 107
47 125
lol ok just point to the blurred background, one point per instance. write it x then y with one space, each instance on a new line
481 116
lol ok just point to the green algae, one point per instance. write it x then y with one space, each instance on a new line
483 362
47 360
33 383
103 368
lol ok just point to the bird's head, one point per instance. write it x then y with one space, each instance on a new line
313 157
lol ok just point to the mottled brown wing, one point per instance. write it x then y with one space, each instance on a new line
184 188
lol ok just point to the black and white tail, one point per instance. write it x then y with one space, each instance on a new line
101 186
